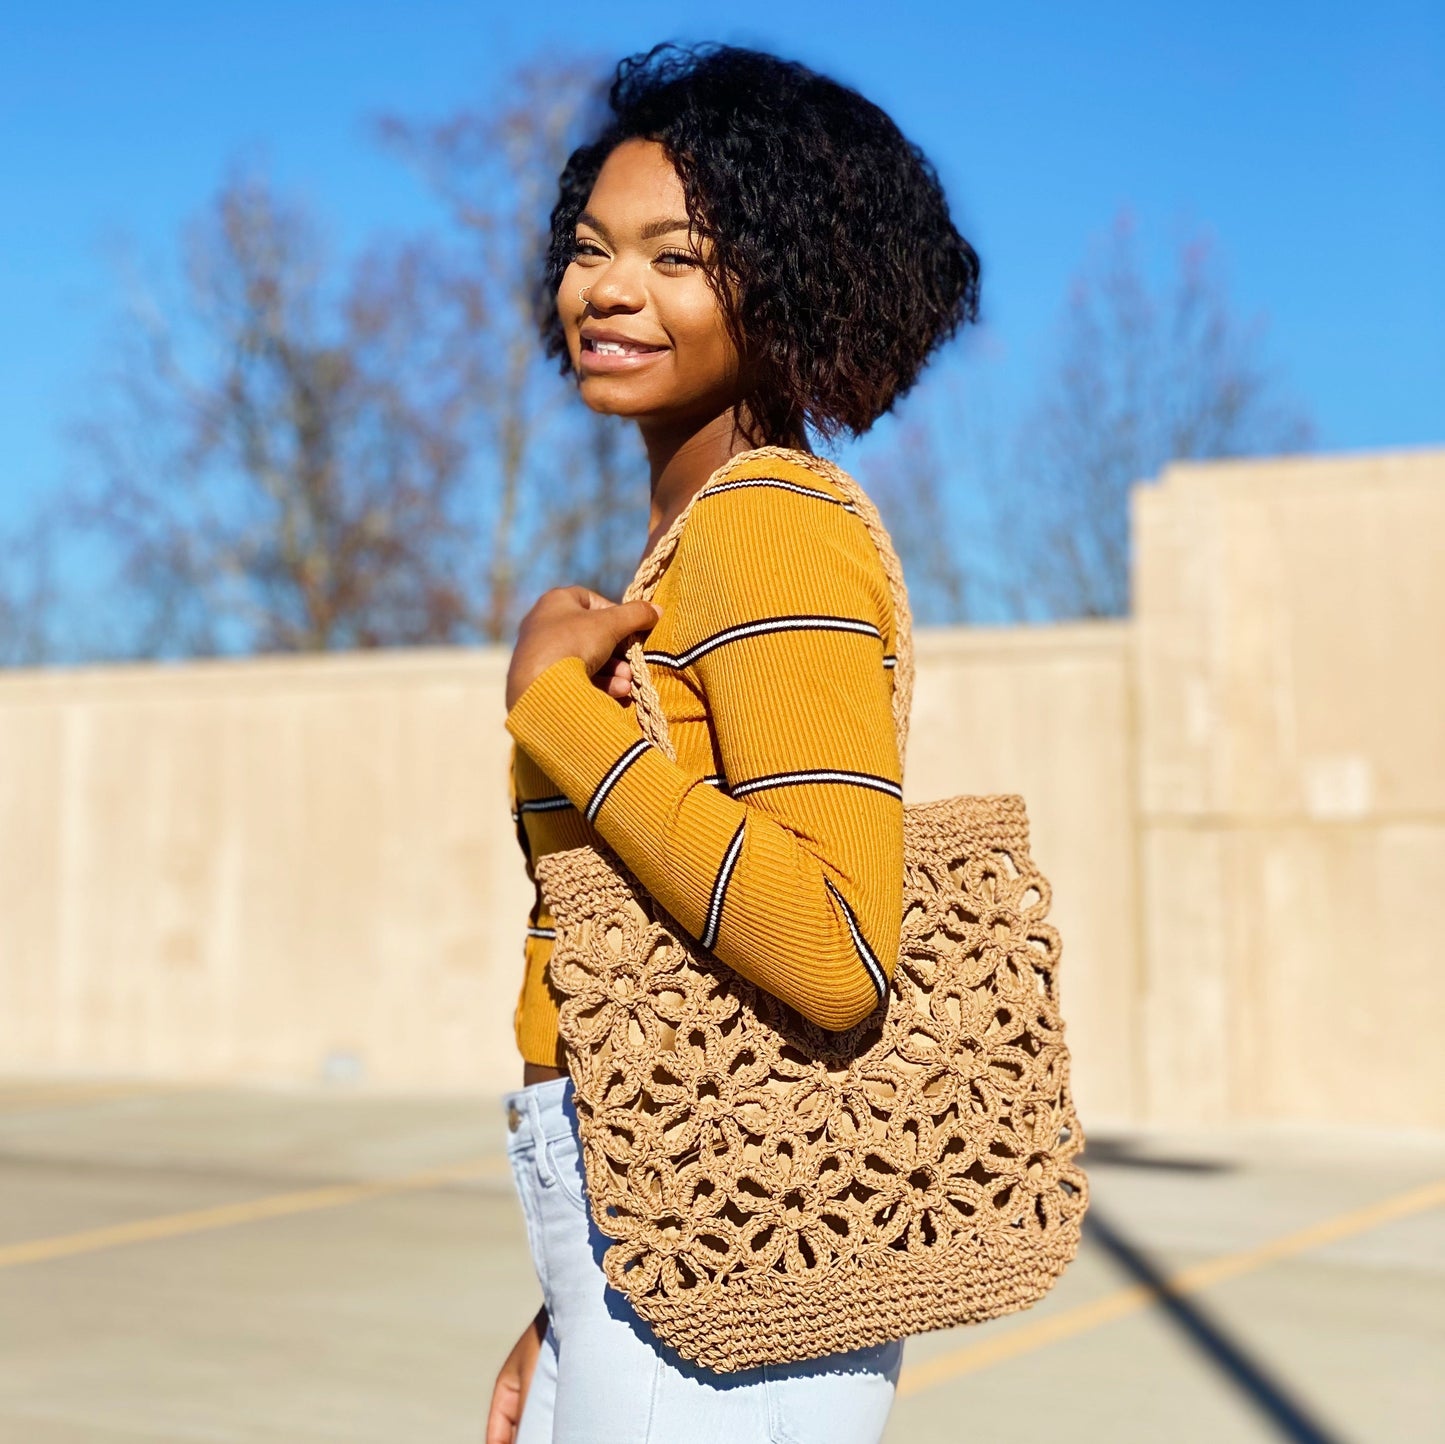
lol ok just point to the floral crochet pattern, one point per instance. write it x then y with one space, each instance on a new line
775 1191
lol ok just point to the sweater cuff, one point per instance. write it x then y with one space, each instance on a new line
571 728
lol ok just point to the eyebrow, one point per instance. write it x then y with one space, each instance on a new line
651 230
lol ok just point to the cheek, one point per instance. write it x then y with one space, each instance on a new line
696 323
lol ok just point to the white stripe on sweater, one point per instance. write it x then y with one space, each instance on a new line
720 887
763 626
614 773
870 961
776 481
817 774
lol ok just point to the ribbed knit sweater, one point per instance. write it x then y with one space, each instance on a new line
776 837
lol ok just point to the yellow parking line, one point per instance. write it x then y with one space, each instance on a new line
972 1357
227 1215
955 1364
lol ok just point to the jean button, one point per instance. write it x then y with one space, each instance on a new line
514 1116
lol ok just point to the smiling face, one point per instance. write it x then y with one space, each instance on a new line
649 343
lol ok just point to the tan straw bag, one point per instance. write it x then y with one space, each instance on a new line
776 1191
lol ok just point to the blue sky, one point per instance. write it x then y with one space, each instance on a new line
1309 138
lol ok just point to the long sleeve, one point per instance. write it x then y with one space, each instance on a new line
791 872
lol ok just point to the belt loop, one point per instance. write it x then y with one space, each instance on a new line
541 1152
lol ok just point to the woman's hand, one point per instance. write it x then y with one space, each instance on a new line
615 678
576 622
514 1378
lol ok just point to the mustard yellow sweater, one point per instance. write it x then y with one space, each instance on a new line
776 838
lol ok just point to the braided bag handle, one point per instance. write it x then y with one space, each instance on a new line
644 692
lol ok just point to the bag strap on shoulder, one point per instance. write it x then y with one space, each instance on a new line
644 694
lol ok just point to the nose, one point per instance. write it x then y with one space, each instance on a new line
618 287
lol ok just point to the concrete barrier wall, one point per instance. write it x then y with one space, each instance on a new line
268 869
1045 712
283 869
242 870
1290 644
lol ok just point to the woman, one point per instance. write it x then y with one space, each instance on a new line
748 253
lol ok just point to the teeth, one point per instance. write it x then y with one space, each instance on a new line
618 348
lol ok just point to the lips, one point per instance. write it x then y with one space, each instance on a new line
604 351
601 344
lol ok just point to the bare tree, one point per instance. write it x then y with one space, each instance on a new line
598 539
1143 376
909 483
27 595
1029 519
290 454
282 448
562 489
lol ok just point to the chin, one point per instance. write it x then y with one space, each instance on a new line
607 397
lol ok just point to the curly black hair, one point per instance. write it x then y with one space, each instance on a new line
835 260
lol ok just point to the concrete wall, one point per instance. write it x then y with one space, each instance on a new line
1290 636
280 869
1046 712
240 870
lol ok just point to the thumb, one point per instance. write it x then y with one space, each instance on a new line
628 617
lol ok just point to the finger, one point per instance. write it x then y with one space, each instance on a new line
628 617
584 597
594 601
614 677
504 1415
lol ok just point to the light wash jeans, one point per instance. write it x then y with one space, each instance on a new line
603 1376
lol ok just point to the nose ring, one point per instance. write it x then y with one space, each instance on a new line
582 294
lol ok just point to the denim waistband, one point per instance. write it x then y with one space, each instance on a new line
538 1111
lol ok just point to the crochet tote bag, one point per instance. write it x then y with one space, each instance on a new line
776 1191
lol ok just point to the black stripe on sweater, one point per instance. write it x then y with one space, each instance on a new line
614 774
869 959
556 802
817 774
778 482
720 887
801 622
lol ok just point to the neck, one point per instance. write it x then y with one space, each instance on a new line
681 458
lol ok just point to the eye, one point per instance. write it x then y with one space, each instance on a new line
676 258
582 246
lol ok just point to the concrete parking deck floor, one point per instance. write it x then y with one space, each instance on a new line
250 1265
